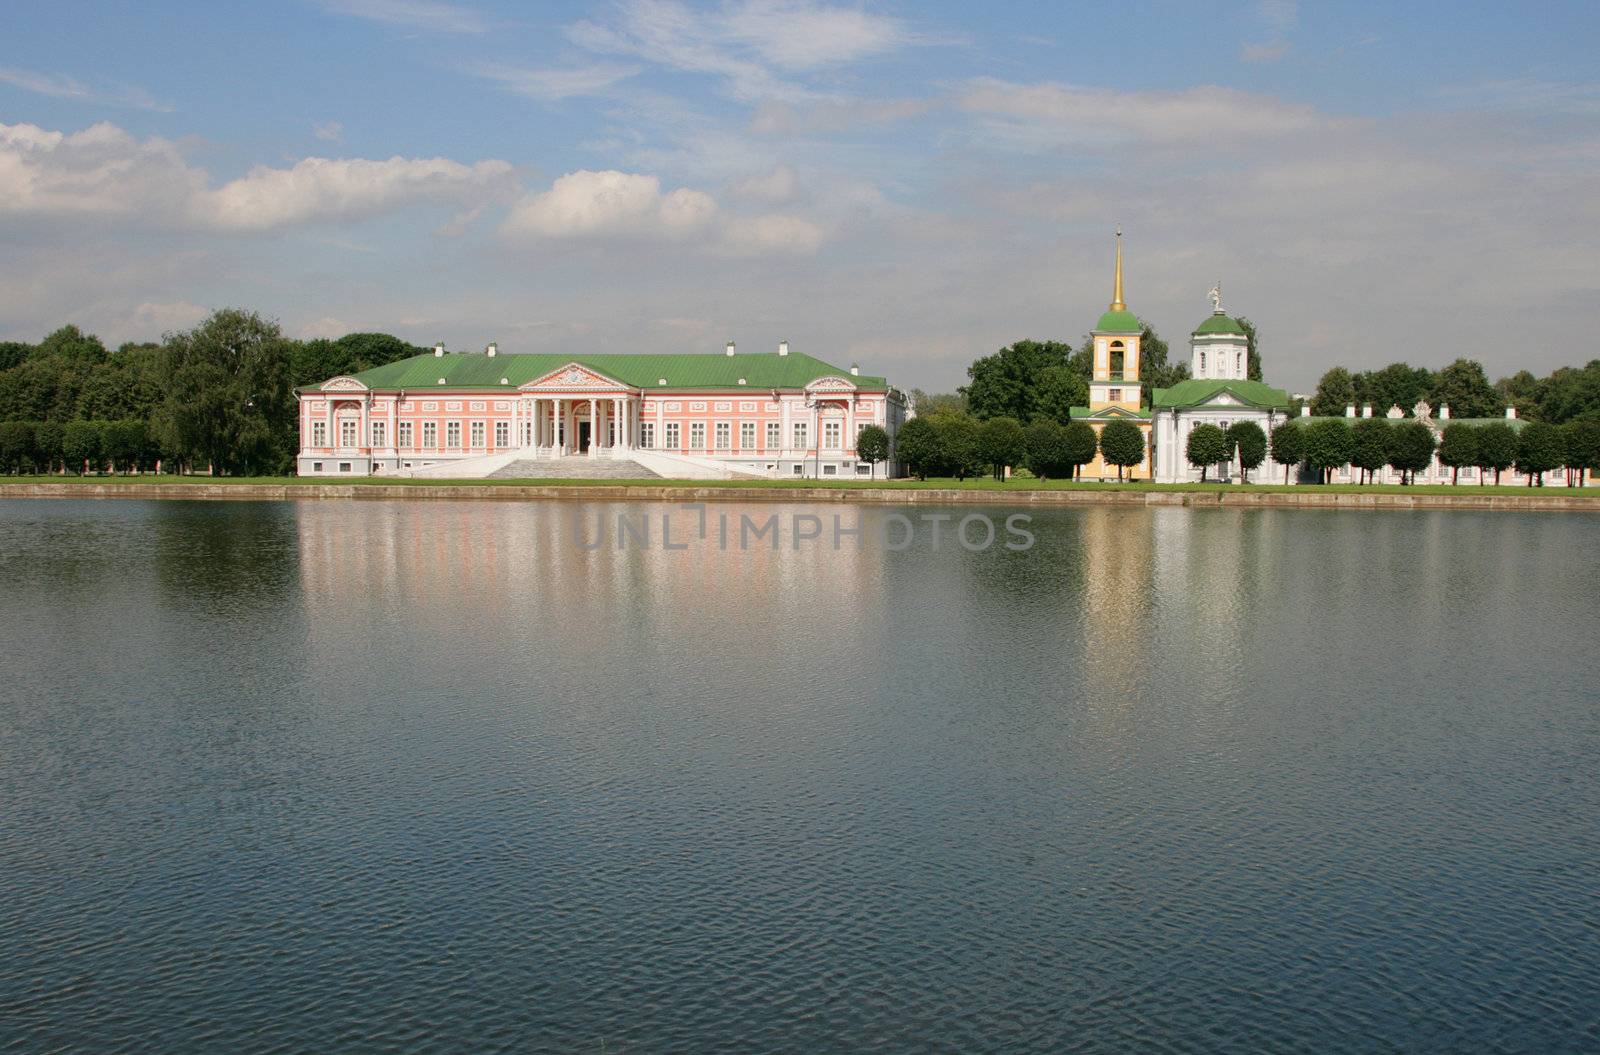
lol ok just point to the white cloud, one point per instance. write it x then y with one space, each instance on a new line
1205 113
327 326
343 189
163 318
745 43
413 14
61 86
833 115
609 204
552 84
774 186
772 233
328 131
1279 17
103 171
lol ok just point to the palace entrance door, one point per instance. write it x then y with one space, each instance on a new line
583 437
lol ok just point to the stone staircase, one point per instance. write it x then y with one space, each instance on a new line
573 468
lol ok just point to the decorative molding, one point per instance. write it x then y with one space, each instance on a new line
343 384
831 383
575 377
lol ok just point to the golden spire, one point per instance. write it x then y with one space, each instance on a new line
1116 290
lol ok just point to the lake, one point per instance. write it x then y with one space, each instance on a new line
431 776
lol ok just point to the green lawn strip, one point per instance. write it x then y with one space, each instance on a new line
983 484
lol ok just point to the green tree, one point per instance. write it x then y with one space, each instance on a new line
1541 447
1335 391
1465 389
1247 439
1411 447
1522 391
1005 384
127 443
1253 349
1328 445
1122 445
928 404
16 445
958 444
1396 385
1370 451
1497 449
14 353
917 444
1288 446
872 447
1049 456
1458 447
69 342
1057 390
1207 445
1583 446
1001 443
1154 369
1082 443
50 439
228 400
1570 394
81 443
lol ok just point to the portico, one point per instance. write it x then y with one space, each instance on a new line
574 411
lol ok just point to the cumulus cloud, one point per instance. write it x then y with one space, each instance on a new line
103 171
771 233
609 204
342 189
774 186
1205 113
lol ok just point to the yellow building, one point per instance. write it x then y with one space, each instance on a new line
1114 391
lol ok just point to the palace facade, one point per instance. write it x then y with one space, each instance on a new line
776 414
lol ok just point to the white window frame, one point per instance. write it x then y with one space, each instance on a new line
673 433
452 435
697 435
801 435
380 432
430 435
833 435
502 434
479 433
647 434
723 434
319 434
349 432
403 434
747 435
774 435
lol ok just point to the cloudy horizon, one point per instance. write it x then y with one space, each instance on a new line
904 186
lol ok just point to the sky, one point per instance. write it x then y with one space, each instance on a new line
903 185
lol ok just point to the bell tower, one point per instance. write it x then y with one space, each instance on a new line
1115 381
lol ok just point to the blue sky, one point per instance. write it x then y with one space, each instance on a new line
908 186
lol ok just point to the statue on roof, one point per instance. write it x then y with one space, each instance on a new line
1216 297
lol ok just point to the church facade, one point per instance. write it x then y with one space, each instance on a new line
772 414
1115 393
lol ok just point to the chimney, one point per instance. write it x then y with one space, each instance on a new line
493 350
783 347
1349 410
855 370
438 350
730 347
1511 413
1444 411
1305 410
1366 411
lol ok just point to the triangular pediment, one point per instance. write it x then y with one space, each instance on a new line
343 384
574 377
831 383
1115 412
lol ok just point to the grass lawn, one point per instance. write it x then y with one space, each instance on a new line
982 484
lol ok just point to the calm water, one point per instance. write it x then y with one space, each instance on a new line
426 777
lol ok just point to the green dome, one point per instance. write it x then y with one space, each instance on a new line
1118 322
1220 323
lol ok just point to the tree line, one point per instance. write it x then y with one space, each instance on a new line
218 397
1368 445
1567 394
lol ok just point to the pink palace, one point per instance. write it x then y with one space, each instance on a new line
773 414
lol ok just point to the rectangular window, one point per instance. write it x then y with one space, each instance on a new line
316 467
799 470
430 434
774 437
747 435
1202 364
452 434
347 432
697 435
674 433
344 467
502 434
319 434
1115 395
800 436
478 432
647 434
830 434
380 430
724 435
830 470
404 431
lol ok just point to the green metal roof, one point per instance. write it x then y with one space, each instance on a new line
479 371
1118 322
1194 393
1219 323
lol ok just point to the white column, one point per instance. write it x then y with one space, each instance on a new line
850 424
786 437
594 413
616 408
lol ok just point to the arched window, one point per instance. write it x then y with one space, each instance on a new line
1118 356
1202 363
1238 363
